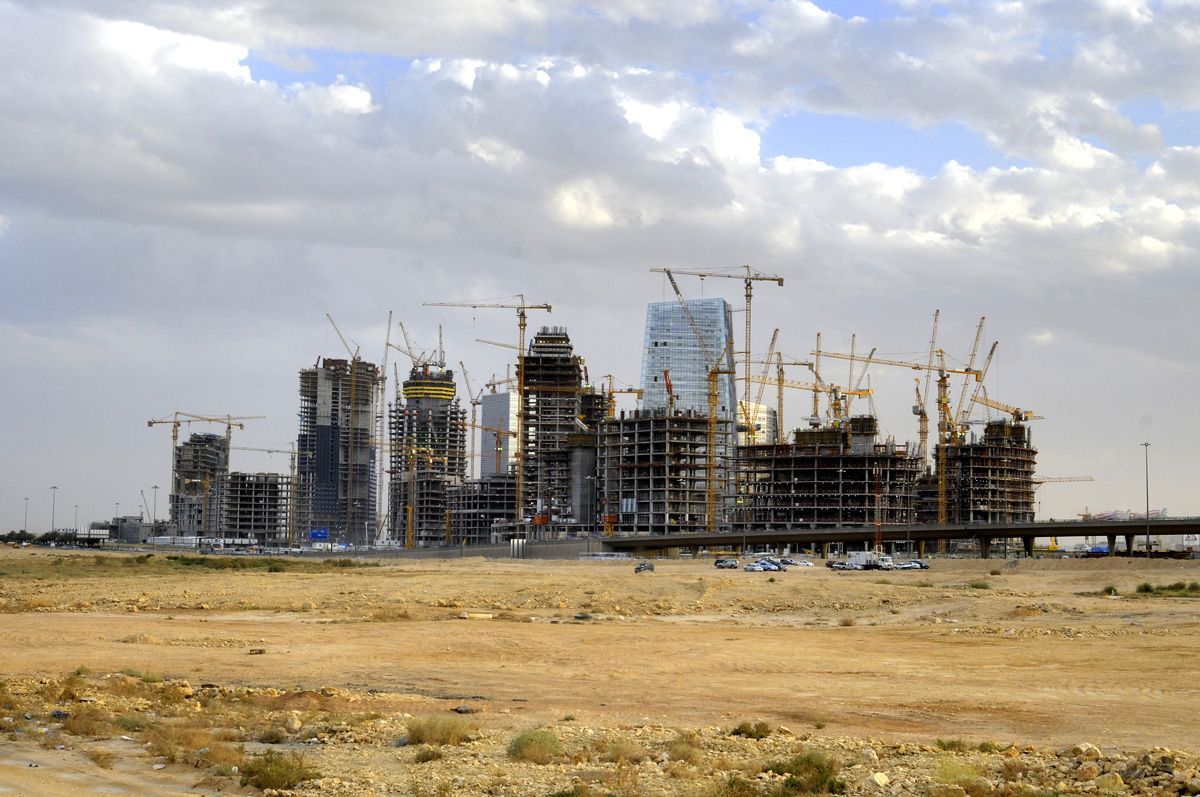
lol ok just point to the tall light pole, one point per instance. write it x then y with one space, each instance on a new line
77 517
1146 448
53 496
154 511
25 528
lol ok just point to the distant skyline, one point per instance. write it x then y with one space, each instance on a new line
187 187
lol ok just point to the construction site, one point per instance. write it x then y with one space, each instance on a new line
544 453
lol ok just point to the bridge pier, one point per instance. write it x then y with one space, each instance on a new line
824 550
985 547
920 549
1112 544
1028 543
1129 538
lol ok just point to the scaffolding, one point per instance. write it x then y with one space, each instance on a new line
336 475
428 455
990 479
830 476
652 466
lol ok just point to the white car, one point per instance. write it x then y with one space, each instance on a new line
803 563
752 567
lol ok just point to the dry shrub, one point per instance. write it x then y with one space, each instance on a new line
752 730
811 772
1013 768
389 615
846 622
184 743
438 730
272 736
624 782
427 754
538 746
953 772
273 770
102 758
617 750
578 790
685 748
733 785
88 721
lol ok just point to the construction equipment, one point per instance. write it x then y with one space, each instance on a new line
670 392
948 431
522 307
715 371
749 276
381 428
354 360
838 410
610 409
1018 415
178 418
497 431
751 426
291 451
476 399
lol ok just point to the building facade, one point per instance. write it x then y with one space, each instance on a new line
198 482
337 478
428 456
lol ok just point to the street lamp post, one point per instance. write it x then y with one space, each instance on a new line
77 518
53 496
25 528
1146 449
154 511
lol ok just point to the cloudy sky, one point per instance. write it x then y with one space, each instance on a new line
187 187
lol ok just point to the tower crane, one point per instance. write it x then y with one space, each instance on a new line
178 418
1019 415
948 431
751 426
962 397
522 307
749 276
610 403
476 399
839 410
715 371
291 452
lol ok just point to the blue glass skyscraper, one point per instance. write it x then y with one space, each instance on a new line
671 344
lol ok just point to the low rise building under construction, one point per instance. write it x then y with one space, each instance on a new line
829 476
653 469
476 506
989 478
256 508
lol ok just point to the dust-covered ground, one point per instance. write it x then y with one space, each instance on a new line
117 664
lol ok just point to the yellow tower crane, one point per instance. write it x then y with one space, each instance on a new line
749 276
610 403
522 307
948 431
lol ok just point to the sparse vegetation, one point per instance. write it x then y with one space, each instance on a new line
954 772
988 747
616 750
952 745
846 622
538 746
979 585
1178 589
752 730
995 572
578 790
101 758
734 785
686 748
274 770
427 754
439 730
810 772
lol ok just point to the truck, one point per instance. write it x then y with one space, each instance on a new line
871 560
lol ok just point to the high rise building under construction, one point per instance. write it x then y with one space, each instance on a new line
336 471
198 483
428 456
556 405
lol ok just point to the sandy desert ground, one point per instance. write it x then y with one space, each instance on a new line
1029 659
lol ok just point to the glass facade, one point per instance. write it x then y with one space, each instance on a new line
671 344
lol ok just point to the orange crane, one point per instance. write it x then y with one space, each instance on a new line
522 307
948 431
749 276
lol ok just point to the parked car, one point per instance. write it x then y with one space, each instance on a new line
767 564
788 561
753 567
804 563
644 567
726 564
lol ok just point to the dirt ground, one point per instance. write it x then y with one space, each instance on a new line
1029 651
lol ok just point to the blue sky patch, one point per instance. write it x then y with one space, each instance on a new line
842 141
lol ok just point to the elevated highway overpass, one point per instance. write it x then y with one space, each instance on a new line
984 534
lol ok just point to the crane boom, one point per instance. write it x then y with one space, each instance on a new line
521 307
